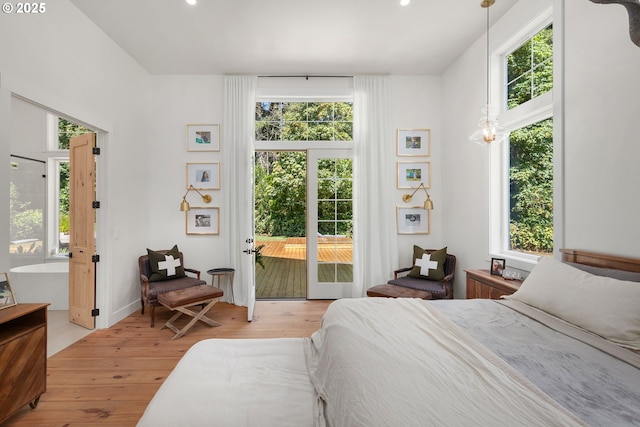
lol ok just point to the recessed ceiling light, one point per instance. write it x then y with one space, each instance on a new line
404 2
192 2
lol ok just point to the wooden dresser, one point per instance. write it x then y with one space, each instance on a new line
23 357
483 284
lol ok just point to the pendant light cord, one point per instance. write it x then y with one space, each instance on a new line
488 68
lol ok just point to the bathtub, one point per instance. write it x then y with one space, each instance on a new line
48 282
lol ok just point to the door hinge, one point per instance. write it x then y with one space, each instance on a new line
95 312
70 255
95 258
95 204
96 151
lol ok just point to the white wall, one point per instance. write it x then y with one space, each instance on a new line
602 109
600 171
60 60
175 102
415 104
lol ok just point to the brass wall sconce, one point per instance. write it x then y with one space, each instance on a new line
184 206
428 204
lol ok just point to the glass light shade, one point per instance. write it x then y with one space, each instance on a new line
489 130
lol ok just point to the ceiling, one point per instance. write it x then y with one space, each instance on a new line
293 37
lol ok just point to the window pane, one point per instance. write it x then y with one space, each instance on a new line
519 91
320 131
530 69
268 111
68 130
27 192
543 78
543 46
294 131
304 121
326 210
63 207
268 131
531 188
335 220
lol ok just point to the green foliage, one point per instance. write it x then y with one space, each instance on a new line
63 190
68 130
25 223
530 73
335 191
281 183
64 223
531 188
530 68
304 121
259 256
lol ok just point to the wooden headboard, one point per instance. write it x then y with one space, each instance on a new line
601 260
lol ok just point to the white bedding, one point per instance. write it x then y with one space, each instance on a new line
235 382
394 380
408 365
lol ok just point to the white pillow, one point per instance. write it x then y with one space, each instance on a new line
602 305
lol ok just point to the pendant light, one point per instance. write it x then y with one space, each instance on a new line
489 131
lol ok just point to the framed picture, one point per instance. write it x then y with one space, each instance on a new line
7 298
497 266
414 142
203 137
203 221
412 220
203 176
411 174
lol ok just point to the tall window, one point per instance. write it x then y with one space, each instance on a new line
523 177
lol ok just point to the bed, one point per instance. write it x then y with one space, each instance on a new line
562 351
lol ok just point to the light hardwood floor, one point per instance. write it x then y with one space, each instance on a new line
109 377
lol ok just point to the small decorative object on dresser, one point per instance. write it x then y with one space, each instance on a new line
497 266
484 284
7 297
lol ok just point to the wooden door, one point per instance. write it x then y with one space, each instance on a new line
82 287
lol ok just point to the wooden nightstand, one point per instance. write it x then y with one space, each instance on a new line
483 284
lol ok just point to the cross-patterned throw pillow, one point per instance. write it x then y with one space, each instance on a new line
428 266
165 266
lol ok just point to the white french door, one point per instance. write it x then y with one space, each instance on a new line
329 223
249 260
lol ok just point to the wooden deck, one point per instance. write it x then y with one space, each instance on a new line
285 272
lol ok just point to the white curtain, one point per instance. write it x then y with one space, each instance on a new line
237 179
375 253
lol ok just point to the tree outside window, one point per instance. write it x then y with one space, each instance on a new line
530 154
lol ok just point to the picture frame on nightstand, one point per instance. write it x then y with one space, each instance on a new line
497 266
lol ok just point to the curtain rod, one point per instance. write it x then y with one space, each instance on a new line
27 158
307 76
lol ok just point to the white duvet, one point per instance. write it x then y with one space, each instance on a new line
388 362
235 382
